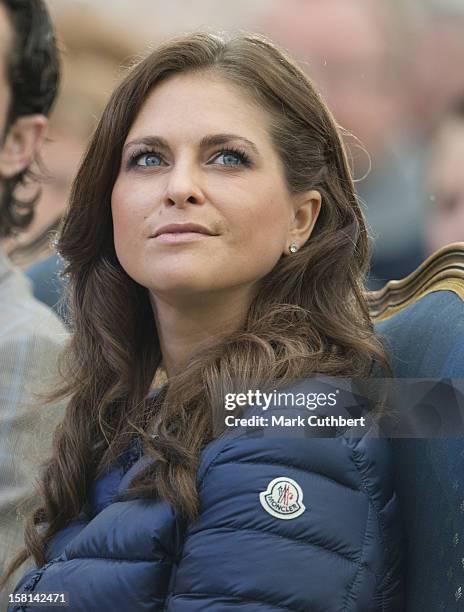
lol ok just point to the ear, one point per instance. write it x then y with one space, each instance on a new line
21 144
306 212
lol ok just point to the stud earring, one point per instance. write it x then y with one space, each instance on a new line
293 248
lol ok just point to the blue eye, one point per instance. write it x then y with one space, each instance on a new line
233 158
230 159
148 160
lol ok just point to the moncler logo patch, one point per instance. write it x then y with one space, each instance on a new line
283 498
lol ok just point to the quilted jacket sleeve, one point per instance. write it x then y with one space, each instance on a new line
337 550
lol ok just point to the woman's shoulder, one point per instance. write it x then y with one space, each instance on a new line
327 501
318 424
363 463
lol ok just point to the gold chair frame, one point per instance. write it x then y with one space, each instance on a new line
443 270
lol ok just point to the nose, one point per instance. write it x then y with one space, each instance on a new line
183 186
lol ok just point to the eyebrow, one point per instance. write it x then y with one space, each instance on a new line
205 142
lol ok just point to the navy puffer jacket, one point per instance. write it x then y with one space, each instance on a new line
303 524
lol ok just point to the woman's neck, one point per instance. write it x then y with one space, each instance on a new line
185 326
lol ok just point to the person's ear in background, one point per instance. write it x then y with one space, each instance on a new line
23 140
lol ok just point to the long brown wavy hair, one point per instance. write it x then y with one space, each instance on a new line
309 315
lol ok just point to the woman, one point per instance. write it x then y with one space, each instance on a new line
214 231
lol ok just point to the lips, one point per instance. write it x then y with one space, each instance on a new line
179 228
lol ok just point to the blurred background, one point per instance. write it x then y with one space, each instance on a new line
390 70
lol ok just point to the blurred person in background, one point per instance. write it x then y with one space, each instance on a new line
31 336
445 179
438 99
438 79
93 53
359 54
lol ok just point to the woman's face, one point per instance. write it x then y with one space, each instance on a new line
200 152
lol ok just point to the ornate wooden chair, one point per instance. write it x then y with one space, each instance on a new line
421 319
442 271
